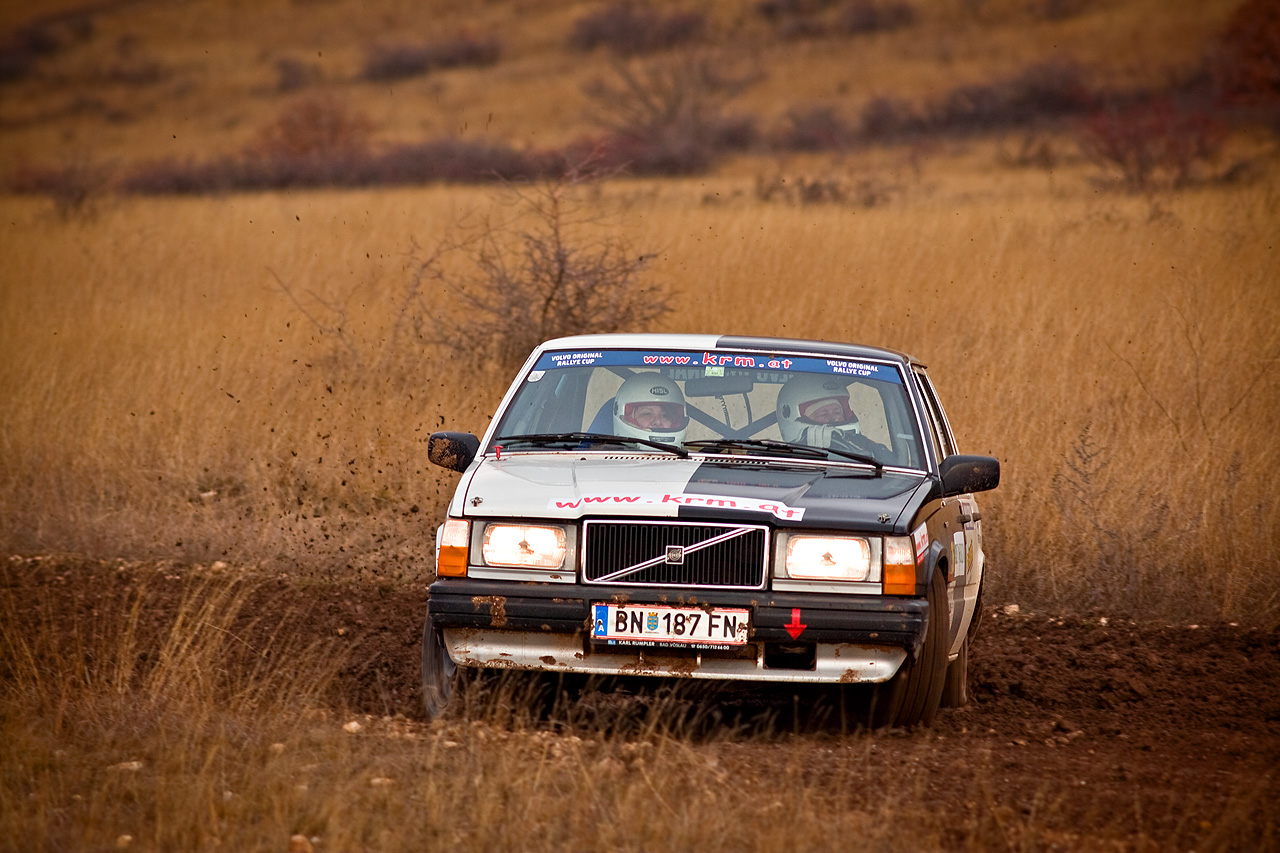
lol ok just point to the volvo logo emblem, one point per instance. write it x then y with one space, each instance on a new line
675 555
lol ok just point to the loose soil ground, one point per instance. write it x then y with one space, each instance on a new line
1167 732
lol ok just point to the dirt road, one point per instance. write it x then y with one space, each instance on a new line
1160 731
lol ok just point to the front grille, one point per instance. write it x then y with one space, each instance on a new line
644 553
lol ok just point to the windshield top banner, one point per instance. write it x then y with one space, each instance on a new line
716 363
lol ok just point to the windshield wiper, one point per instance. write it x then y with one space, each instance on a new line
588 438
787 448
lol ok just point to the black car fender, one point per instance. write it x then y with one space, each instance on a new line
935 560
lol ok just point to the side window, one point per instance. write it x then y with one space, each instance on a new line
943 445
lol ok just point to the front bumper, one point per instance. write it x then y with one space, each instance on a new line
846 638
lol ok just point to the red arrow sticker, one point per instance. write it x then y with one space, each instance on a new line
795 627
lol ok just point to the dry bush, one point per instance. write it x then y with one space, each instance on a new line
552 269
884 118
827 189
859 17
1245 64
796 19
319 142
629 28
538 265
76 189
1062 10
313 128
1042 93
44 36
459 160
385 63
1033 151
1154 144
778 10
671 117
1048 89
817 128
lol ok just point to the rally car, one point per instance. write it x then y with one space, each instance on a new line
701 506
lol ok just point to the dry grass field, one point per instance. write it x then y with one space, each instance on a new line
166 398
224 398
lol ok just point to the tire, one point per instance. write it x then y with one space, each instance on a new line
439 672
955 692
913 695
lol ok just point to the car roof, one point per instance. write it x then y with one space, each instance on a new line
635 340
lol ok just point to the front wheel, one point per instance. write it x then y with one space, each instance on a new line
914 693
439 672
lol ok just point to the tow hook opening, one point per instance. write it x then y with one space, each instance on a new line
790 656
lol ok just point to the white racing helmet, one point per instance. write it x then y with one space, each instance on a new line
650 406
806 394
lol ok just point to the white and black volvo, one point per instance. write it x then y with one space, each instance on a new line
699 506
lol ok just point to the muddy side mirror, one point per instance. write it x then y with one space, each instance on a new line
452 450
962 474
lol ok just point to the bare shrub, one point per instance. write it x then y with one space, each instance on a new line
818 128
886 118
45 36
458 160
542 266
1033 151
859 17
1061 10
777 10
1049 89
825 189
449 159
671 117
1245 65
547 272
1153 143
396 62
629 28
75 188
317 127
797 19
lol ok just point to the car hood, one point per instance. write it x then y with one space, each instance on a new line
569 486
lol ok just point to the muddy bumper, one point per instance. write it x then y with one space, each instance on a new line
782 618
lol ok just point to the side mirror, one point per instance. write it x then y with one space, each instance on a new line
961 474
452 450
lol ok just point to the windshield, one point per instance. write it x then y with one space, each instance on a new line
673 397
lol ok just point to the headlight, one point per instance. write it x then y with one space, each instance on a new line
832 558
523 546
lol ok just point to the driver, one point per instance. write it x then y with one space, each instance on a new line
650 406
814 410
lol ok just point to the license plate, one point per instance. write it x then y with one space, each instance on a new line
660 624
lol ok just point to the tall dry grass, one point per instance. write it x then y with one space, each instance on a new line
155 720
164 397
